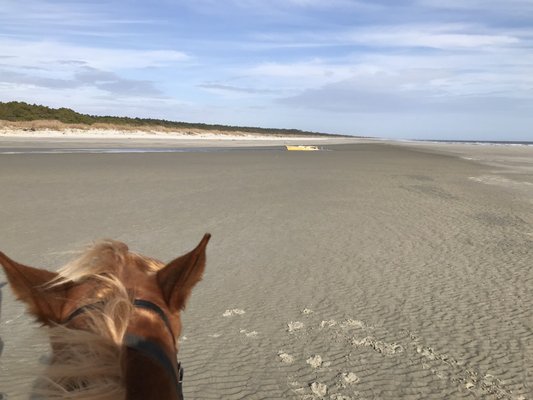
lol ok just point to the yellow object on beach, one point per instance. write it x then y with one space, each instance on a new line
302 148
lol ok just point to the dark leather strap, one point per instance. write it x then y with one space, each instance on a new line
81 310
139 303
156 353
148 305
138 343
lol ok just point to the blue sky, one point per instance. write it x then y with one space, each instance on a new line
454 69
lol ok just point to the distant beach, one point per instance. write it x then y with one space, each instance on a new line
369 270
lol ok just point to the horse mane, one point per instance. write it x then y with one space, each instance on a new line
87 363
103 257
90 307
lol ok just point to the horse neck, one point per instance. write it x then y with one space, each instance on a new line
146 379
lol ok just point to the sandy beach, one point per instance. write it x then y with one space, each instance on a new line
368 270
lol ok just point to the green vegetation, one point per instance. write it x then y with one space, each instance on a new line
19 111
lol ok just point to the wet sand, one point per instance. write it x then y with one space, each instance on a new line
370 271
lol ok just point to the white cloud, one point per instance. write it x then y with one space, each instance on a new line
465 73
83 77
66 70
47 53
468 72
508 6
392 94
261 5
315 57
234 91
428 37
61 14
322 3
315 69
436 36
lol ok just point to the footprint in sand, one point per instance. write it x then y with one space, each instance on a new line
379 346
357 333
314 361
446 367
328 324
285 358
294 326
249 333
353 323
344 381
349 378
319 389
339 397
235 311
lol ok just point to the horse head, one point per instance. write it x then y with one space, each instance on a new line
114 319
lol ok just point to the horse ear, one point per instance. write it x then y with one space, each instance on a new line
178 277
29 285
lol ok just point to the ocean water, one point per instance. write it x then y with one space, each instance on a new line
482 142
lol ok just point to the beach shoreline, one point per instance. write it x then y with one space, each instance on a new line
149 133
108 139
371 270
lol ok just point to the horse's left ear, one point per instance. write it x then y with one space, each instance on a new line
29 284
178 277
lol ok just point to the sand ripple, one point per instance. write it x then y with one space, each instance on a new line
409 279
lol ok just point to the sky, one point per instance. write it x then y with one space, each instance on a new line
401 69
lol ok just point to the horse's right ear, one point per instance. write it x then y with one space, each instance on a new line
29 285
178 277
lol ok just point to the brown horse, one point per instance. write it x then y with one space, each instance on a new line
114 318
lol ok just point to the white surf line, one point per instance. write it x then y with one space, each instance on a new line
92 151
134 150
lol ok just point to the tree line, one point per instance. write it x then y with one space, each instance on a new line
21 111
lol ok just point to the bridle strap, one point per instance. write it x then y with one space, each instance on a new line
156 353
81 310
147 347
148 305
139 303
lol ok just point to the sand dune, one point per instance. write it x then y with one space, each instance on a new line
370 271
